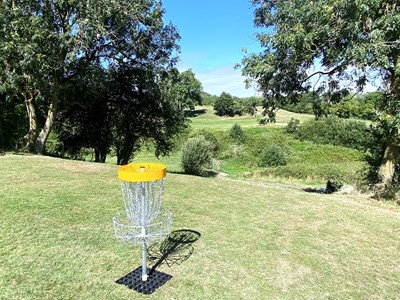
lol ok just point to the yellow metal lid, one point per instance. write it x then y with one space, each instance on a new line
138 172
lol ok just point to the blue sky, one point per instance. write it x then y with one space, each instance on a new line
213 34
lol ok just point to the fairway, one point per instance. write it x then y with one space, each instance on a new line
207 119
258 241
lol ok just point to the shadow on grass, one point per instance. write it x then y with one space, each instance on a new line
175 249
330 188
194 113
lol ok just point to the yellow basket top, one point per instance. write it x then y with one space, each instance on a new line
138 172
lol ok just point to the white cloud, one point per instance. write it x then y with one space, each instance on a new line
225 79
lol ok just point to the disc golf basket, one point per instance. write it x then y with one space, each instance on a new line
144 221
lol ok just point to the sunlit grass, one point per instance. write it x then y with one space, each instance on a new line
209 120
258 241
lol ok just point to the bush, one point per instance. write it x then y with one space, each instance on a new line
196 156
272 156
211 138
335 131
292 126
237 134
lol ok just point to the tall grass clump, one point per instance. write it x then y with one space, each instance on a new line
196 156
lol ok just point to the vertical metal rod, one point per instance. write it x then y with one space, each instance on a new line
144 250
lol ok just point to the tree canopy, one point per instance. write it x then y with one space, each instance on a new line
187 90
331 47
56 55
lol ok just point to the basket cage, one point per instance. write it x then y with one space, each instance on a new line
143 218
129 233
142 200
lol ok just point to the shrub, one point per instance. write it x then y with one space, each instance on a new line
211 138
292 126
237 134
272 156
335 131
196 156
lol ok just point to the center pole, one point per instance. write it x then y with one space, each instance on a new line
144 247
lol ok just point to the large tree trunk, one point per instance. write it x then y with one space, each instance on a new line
30 137
124 151
389 161
29 94
100 154
392 150
51 114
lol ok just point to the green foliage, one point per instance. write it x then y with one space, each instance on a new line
12 123
292 126
317 171
306 31
196 156
84 121
155 118
186 89
250 105
272 156
237 134
361 107
208 99
335 131
211 138
226 105
303 106
350 41
48 45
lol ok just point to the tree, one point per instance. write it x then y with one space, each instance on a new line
84 120
250 105
187 90
332 47
12 115
46 44
142 108
226 105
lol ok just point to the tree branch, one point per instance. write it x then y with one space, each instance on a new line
329 72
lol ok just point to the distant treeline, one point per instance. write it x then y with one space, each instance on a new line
358 106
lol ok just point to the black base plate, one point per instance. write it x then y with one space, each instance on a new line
133 280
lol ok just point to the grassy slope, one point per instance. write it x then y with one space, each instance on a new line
209 120
257 241
307 162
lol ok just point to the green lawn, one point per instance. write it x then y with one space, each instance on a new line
258 240
207 119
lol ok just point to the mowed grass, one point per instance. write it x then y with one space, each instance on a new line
207 119
258 241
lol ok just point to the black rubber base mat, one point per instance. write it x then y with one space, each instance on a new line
133 280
